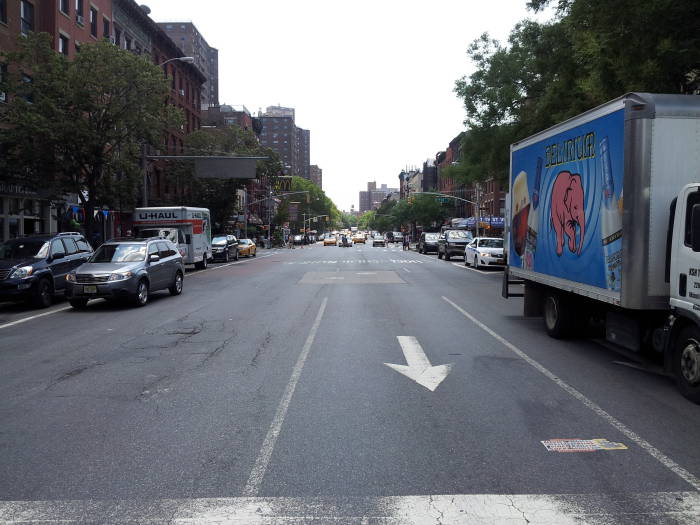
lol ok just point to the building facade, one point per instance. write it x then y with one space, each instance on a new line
316 175
373 197
206 58
292 143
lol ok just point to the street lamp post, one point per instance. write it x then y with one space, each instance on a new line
144 161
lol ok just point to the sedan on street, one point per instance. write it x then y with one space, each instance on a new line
484 251
378 240
247 247
329 240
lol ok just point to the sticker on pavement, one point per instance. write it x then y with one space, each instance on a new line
581 445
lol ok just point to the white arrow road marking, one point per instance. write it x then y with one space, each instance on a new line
419 368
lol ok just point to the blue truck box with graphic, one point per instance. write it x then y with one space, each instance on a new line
603 219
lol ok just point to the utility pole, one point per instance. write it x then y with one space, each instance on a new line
269 215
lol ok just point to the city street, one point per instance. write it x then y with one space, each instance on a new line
332 385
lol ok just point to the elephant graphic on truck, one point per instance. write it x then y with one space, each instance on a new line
567 211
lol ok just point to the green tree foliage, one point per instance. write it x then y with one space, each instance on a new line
219 194
78 126
419 210
314 203
591 52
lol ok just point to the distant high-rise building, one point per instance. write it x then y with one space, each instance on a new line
316 175
291 143
206 58
373 197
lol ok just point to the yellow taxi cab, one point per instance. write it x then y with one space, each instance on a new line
247 247
358 237
329 240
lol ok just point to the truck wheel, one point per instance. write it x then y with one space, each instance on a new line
202 265
686 363
558 317
41 295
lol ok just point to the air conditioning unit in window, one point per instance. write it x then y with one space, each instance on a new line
79 19
182 92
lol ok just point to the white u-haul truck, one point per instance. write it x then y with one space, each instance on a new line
189 228
604 225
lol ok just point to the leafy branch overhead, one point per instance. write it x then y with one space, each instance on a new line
591 51
77 126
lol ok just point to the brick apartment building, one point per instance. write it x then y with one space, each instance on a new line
206 58
316 175
292 143
373 197
72 24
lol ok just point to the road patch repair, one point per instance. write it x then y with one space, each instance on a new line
378 277
581 445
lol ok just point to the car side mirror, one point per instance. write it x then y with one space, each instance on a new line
695 228
153 258
58 255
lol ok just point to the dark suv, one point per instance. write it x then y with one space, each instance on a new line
34 268
453 242
127 268
428 242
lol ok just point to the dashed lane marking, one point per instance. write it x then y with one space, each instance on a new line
255 480
458 265
619 425
37 316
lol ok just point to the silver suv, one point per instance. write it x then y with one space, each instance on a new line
127 268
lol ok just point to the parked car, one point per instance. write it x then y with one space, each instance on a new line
329 240
127 268
428 242
452 242
224 248
34 268
247 247
378 240
484 251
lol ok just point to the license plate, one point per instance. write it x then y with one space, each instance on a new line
500 261
89 289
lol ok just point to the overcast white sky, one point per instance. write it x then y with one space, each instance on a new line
372 80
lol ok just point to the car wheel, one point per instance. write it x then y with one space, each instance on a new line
447 255
476 263
686 363
558 318
254 252
41 296
466 260
176 287
141 297
236 256
226 257
78 304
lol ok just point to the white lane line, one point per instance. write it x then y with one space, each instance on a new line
25 319
252 487
619 425
514 509
458 265
407 270
212 268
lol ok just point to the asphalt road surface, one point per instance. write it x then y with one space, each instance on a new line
333 385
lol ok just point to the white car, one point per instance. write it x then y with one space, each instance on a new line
484 251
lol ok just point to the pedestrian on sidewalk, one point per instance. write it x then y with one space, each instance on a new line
406 242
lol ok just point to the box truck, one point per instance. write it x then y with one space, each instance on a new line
189 228
603 227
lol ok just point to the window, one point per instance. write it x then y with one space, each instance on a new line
3 11
57 247
28 95
26 15
117 36
152 249
693 199
106 28
127 42
163 250
71 248
79 11
3 73
93 21
64 6
83 246
63 45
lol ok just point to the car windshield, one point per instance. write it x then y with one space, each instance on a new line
431 236
218 240
118 253
244 241
491 243
22 249
457 234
